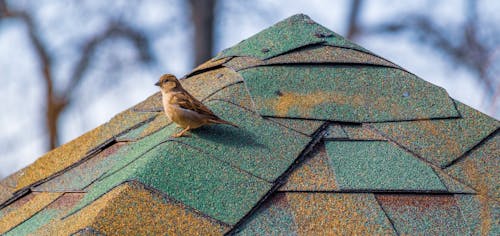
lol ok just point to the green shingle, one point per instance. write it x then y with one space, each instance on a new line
328 54
481 168
345 93
291 33
51 212
134 150
209 82
423 214
452 184
236 94
312 213
30 225
312 174
379 166
132 135
315 54
480 213
307 127
191 177
258 146
335 131
441 141
82 175
362 132
274 217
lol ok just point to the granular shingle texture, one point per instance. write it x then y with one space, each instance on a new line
375 165
319 214
481 168
441 141
292 33
332 140
345 93
431 215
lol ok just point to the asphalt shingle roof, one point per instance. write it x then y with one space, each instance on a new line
333 139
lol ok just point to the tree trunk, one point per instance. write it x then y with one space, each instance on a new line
202 16
353 28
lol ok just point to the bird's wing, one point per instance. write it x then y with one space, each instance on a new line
186 101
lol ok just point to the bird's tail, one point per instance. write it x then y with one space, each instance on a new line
224 122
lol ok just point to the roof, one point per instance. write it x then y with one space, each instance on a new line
332 139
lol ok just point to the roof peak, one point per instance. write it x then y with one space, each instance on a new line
291 33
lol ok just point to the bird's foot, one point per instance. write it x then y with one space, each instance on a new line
182 133
178 135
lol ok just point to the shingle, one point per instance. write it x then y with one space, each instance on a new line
240 63
274 217
362 132
59 158
453 185
11 180
210 64
328 54
481 168
205 84
379 166
335 131
33 223
236 94
313 174
27 210
191 177
258 146
306 127
5 193
314 54
319 214
17 204
294 32
50 213
160 121
151 104
88 231
133 209
67 225
72 152
480 214
338 214
441 141
423 214
85 173
135 150
345 93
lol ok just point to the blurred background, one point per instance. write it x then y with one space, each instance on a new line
67 66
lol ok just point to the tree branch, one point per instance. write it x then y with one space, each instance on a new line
353 28
113 31
202 16
57 102
469 51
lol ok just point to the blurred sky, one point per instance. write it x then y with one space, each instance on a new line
104 94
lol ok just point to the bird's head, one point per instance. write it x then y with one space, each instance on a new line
168 82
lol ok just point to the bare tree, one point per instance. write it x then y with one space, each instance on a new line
57 100
353 28
203 18
469 44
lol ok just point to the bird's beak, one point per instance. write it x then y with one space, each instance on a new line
157 83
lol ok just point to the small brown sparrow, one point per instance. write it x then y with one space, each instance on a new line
182 108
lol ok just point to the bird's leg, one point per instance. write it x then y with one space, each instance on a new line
180 134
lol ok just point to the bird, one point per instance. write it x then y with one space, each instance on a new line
183 109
